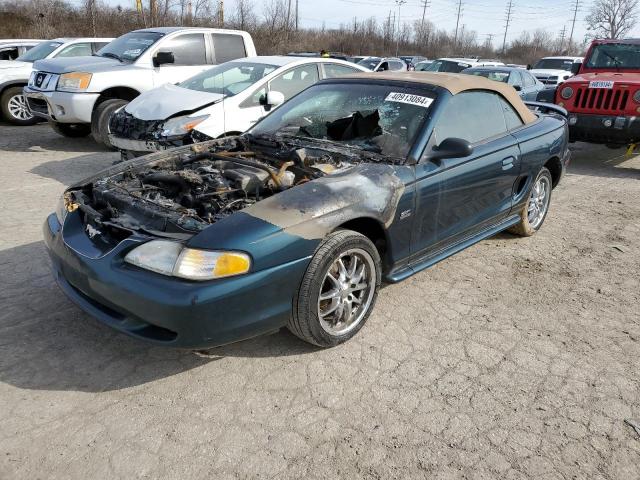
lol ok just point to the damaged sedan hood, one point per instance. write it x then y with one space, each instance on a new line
168 100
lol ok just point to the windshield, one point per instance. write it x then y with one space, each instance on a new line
370 63
491 75
615 55
229 79
422 66
40 51
382 119
446 66
130 46
553 64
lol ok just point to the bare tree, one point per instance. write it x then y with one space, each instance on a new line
612 18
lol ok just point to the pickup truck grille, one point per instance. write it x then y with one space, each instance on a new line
547 80
125 125
607 100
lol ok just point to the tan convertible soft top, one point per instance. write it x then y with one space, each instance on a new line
456 83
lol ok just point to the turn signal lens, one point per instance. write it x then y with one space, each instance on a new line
74 81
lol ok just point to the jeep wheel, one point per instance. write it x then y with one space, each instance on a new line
14 107
100 120
533 214
338 290
71 130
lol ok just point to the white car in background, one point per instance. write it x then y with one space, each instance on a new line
221 101
552 71
10 49
456 65
14 74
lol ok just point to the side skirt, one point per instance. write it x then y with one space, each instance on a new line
435 257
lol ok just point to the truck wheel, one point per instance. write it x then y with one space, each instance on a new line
71 130
338 290
100 120
14 107
535 211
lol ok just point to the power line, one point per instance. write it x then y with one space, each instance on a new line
506 26
573 24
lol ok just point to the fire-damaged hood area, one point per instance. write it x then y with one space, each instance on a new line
169 100
305 189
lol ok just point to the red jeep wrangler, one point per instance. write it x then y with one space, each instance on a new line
603 99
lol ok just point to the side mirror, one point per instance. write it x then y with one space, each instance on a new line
518 88
163 58
274 98
575 68
528 66
383 68
450 148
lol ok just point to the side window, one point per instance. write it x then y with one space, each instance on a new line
332 70
529 80
399 66
473 116
256 99
295 80
510 115
77 50
98 45
187 49
515 79
9 53
228 47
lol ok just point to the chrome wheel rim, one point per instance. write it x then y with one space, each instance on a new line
17 107
538 202
346 292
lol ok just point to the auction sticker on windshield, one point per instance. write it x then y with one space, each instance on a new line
601 84
410 99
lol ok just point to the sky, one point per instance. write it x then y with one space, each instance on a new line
484 16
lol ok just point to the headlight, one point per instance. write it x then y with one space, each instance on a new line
74 81
172 259
32 77
636 96
181 125
65 205
566 93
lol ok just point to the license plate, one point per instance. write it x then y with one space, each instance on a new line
601 84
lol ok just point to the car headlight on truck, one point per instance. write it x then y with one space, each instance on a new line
636 96
566 93
174 259
181 125
74 81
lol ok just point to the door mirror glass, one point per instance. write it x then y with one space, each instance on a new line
450 148
575 68
163 58
274 98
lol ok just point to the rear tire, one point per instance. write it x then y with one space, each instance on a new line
346 272
14 107
100 120
535 211
71 130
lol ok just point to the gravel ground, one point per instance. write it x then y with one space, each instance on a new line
518 358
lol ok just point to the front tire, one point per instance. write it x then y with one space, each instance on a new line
535 211
338 290
100 120
71 130
14 107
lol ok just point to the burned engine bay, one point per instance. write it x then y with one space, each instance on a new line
182 193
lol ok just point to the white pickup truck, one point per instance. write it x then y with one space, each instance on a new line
78 96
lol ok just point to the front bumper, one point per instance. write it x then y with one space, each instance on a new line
166 310
609 129
141 146
63 107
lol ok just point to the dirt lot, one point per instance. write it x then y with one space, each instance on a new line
519 358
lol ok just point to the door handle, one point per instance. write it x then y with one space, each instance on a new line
507 163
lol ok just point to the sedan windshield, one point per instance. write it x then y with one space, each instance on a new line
369 63
553 64
615 55
40 51
383 119
496 76
229 79
130 46
447 66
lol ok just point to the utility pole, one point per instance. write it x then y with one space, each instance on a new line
92 12
399 3
153 12
563 34
425 5
506 26
573 24
455 38
221 13
297 14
